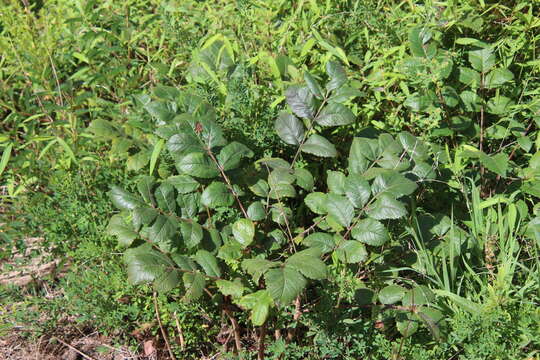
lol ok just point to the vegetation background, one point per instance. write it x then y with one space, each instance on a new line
76 78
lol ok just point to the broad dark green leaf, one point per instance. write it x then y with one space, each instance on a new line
145 186
304 179
166 198
316 202
358 163
231 288
336 182
194 284
357 190
256 211
289 129
340 208
119 228
497 163
498 77
259 303
317 145
284 284
184 184
308 263
370 232
162 231
337 75
192 233
301 101
145 265
387 207
208 262
335 114
124 200
418 42
322 241
280 191
313 85
183 143
231 155
217 195
244 231
469 77
391 294
351 252
143 215
280 176
257 267
419 295
393 183
482 60
197 164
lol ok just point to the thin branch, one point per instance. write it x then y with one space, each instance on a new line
87 357
162 329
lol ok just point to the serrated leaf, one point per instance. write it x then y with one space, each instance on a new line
419 295
499 105
335 114
301 101
316 202
119 228
289 129
162 231
337 75
230 288
257 267
145 265
497 163
280 213
231 155
183 143
280 176
217 195
393 183
192 233
244 231
357 190
351 252
358 163
280 191
340 208
313 85
304 179
199 165
124 200
284 284
336 182
317 145
184 184
370 232
391 294
256 211
143 215
308 263
166 198
387 207
145 186
406 326
194 284
498 77
469 77
208 262
482 60
259 303
260 188
322 241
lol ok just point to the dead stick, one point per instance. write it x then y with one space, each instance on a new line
161 328
260 347
236 330
75 349
180 333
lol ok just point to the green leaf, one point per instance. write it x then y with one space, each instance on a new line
499 105
119 228
387 207
358 163
308 263
497 163
317 145
471 101
367 148
143 215
418 42
340 208
316 202
231 155
289 129
6 154
304 179
280 176
498 77
259 303
197 164
322 241
184 184
391 294
231 288
155 154
260 188
357 190
469 77
281 190
406 326
301 101
145 186
336 182
192 233
414 147
335 114
370 232
124 200
337 75
165 197
424 171
351 252
284 284
217 195
211 133
208 262
244 231
183 143
431 318
162 231
482 60
145 265
280 213
419 295
393 183
194 284
257 267
313 85
160 110
256 211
